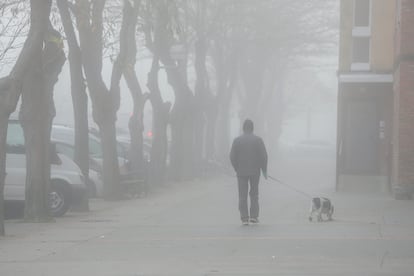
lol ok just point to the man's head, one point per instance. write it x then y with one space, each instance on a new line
248 126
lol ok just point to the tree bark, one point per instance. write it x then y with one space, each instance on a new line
36 116
182 114
11 86
78 91
136 122
8 101
160 111
105 102
3 136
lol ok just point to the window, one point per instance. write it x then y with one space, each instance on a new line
95 148
362 13
15 138
360 50
361 35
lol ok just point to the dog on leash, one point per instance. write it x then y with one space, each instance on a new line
321 206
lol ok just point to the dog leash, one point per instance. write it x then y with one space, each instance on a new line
227 170
290 186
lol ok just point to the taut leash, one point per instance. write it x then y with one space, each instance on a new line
290 187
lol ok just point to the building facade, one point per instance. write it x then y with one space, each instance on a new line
403 136
365 95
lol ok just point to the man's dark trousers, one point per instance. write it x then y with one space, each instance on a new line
243 182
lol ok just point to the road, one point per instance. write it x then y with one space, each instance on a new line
193 228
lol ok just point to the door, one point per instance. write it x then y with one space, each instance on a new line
361 140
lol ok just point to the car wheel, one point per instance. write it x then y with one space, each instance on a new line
59 199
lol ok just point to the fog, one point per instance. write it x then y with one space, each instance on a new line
284 150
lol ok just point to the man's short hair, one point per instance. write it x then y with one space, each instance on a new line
248 126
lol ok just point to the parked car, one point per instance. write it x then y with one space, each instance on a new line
67 182
67 134
94 183
63 136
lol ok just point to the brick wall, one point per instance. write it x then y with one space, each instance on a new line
406 29
406 123
403 167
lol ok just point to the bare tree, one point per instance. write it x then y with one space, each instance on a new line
78 90
14 25
33 77
128 43
154 31
272 44
36 116
105 101
9 95
182 113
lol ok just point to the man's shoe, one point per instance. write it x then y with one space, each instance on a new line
254 220
245 222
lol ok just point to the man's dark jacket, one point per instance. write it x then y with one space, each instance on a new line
248 155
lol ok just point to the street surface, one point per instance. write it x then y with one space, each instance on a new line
193 228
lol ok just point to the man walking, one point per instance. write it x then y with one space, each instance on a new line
248 156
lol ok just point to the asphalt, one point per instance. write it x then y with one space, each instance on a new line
193 228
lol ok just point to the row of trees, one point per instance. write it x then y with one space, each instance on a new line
237 49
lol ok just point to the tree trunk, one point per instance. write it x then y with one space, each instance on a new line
11 86
182 114
160 111
136 122
9 95
78 91
36 117
4 118
105 102
182 134
110 161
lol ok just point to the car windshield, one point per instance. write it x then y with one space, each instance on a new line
66 134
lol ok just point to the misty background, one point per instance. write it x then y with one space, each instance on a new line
309 84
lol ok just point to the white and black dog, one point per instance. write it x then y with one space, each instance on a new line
321 206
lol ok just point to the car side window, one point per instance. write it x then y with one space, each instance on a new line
95 148
15 139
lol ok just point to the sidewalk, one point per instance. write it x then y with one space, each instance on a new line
100 211
193 228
